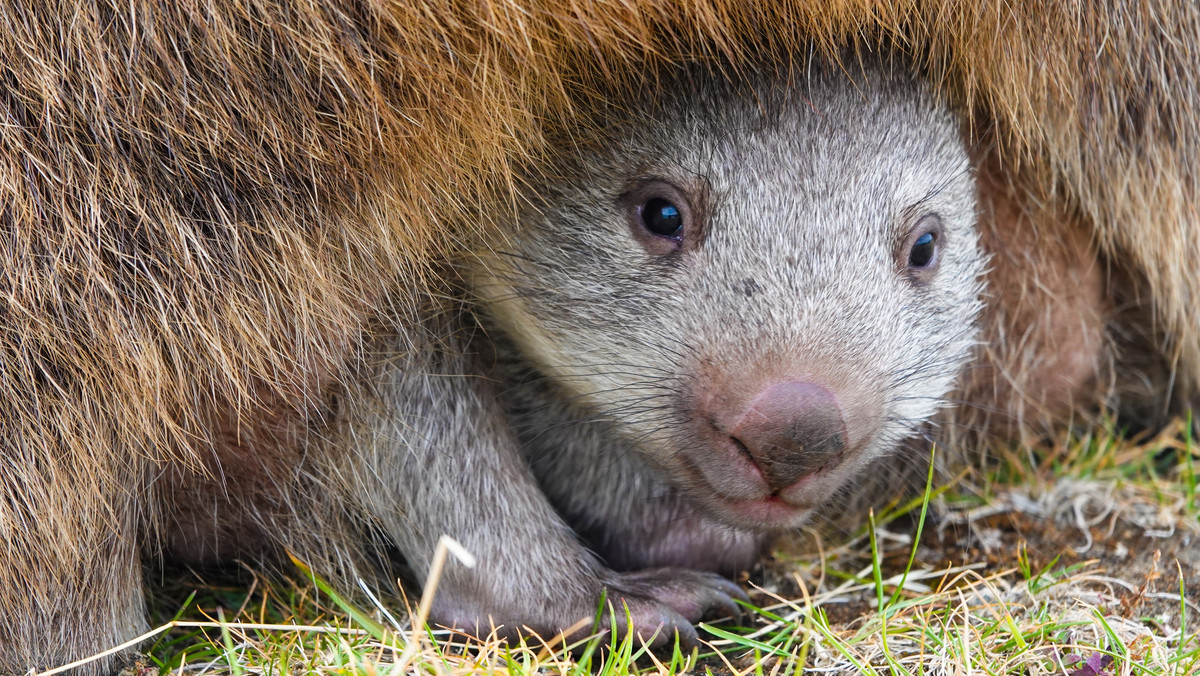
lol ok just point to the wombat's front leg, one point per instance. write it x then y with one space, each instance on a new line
601 484
438 456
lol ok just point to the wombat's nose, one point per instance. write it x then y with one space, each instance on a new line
790 430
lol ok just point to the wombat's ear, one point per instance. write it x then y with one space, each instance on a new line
662 217
919 254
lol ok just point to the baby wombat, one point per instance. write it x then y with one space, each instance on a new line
713 315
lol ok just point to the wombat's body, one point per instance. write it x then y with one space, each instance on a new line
715 314
204 208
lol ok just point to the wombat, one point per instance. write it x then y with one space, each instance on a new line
714 316
205 206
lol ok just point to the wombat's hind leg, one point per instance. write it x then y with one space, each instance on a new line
70 567
1044 354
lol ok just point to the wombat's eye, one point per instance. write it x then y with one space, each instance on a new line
920 254
662 218
922 251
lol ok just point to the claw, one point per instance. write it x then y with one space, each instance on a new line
672 600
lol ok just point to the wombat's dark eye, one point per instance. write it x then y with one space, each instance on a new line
923 251
662 218
920 253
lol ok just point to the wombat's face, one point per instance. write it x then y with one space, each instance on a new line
763 292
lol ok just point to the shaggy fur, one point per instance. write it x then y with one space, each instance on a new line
203 206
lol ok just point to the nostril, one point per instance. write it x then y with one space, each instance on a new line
742 447
790 430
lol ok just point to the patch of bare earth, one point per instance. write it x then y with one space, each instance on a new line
1075 577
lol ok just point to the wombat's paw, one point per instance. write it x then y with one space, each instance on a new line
665 602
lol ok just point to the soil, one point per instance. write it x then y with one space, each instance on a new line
1141 566
1144 567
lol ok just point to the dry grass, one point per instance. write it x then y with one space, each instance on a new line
1095 585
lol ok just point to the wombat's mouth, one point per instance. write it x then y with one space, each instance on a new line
735 494
770 513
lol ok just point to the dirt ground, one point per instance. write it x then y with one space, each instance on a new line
1126 552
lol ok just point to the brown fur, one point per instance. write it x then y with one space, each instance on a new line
202 206
1044 348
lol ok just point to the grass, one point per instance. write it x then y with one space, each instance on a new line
942 584
974 620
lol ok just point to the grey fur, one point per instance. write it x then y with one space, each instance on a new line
568 462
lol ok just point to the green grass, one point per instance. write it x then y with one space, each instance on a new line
884 601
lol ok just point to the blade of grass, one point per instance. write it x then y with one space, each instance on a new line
912 554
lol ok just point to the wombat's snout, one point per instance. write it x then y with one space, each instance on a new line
790 430
772 448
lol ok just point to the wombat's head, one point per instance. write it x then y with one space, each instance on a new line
764 286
